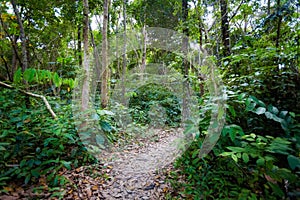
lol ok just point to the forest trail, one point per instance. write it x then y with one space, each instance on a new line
136 172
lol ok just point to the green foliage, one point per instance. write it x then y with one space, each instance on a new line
243 164
33 145
154 95
43 77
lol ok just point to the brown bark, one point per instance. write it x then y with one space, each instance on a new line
225 28
22 36
96 58
14 57
85 87
105 72
124 63
144 51
79 45
185 67
7 68
278 26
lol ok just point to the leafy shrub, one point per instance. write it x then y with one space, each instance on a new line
33 145
153 95
243 164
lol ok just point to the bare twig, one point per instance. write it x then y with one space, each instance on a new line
33 95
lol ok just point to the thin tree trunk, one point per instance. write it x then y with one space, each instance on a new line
201 31
144 52
124 63
22 37
278 26
79 45
278 33
119 70
185 67
7 69
105 72
225 28
85 87
96 58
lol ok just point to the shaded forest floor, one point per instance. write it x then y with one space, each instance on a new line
135 171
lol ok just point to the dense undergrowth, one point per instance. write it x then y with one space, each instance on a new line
245 164
34 147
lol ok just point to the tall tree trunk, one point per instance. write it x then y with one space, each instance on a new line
144 52
14 56
225 28
124 63
79 45
185 67
278 26
105 72
22 36
85 86
278 33
201 31
96 59
269 7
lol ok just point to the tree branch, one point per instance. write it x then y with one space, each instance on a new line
33 95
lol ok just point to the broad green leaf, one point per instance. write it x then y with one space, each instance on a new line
100 139
283 114
195 153
259 102
105 112
236 149
273 109
105 126
27 179
245 157
294 162
232 111
234 157
29 75
251 106
260 110
18 76
35 172
260 161
67 164
292 114
272 116
226 154
23 163
57 80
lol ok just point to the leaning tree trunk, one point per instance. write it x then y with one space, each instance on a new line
105 72
225 28
22 36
